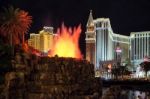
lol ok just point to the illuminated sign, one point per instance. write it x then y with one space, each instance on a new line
118 50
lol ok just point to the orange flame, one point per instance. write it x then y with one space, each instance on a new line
66 43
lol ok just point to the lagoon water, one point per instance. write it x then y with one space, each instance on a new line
110 93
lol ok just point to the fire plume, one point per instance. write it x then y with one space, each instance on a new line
66 43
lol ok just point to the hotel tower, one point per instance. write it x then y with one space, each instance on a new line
104 47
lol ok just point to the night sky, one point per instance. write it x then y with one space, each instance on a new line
125 15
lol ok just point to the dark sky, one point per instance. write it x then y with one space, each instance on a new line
125 15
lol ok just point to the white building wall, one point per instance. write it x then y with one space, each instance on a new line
104 42
139 46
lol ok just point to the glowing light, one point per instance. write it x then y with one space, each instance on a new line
66 43
25 46
118 50
109 67
147 59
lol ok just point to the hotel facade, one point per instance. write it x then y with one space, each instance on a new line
104 47
43 41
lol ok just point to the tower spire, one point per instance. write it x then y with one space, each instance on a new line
90 20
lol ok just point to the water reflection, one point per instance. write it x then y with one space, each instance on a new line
132 94
119 93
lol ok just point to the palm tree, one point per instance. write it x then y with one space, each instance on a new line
115 72
14 23
145 66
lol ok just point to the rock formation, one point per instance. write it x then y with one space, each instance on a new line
36 77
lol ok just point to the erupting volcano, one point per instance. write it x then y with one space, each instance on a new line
66 43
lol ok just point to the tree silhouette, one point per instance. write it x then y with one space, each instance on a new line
14 23
145 66
115 72
124 71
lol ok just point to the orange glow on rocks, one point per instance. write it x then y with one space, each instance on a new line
66 43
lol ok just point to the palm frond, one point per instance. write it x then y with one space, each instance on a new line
14 21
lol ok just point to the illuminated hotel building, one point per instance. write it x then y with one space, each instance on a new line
91 41
42 41
140 46
104 47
